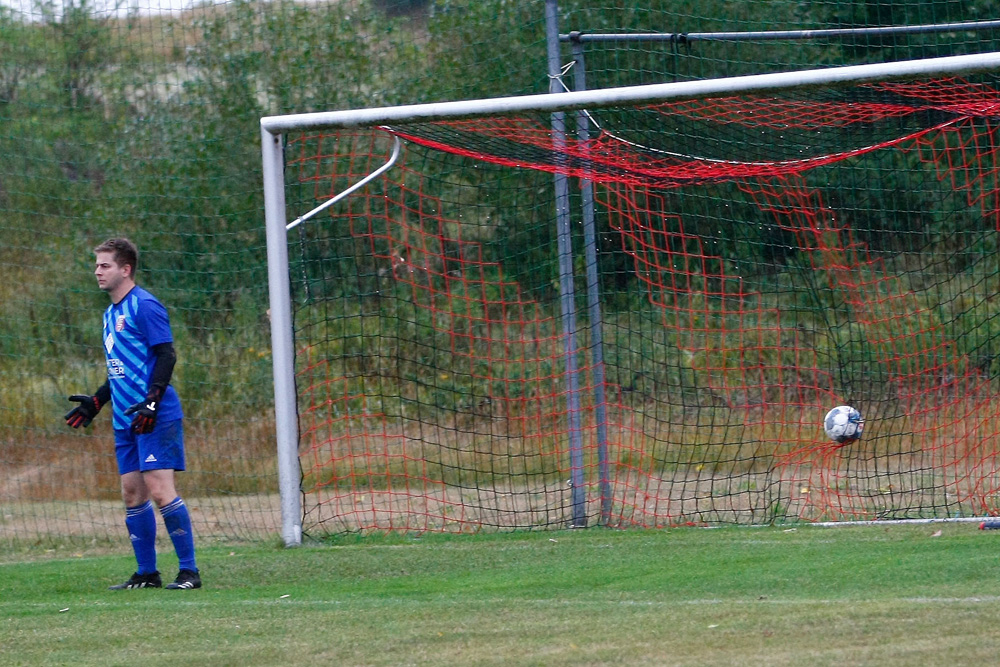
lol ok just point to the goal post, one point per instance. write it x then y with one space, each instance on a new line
493 378
282 346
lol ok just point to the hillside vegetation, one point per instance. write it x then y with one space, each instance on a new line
147 126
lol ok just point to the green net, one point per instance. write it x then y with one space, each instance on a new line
141 119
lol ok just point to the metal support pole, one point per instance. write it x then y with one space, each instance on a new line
282 349
593 299
566 291
780 35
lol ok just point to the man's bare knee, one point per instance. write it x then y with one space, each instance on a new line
134 491
161 486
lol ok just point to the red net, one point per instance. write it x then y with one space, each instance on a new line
761 261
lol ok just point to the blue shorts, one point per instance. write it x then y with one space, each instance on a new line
162 449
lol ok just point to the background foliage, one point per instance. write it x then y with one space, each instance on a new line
119 120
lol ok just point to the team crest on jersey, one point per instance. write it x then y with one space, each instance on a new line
120 323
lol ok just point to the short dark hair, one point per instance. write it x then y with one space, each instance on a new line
123 251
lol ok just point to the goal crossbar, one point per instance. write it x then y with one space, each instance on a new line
662 92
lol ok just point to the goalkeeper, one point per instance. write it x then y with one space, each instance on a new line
146 413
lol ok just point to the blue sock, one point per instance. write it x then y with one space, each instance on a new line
178 522
141 524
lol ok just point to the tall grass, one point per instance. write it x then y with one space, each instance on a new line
498 414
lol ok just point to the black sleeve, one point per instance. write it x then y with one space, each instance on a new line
163 368
103 394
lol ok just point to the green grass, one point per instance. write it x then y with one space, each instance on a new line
890 595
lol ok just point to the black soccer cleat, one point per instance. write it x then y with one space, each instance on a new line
151 580
185 579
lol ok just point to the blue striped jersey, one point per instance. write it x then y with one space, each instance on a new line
131 328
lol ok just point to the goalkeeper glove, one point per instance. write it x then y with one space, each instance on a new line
145 413
84 413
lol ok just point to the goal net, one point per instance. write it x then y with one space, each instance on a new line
755 259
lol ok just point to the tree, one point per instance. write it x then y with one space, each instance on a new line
18 50
82 45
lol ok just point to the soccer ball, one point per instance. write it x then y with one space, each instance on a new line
843 424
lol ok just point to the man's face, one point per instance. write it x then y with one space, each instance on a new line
109 275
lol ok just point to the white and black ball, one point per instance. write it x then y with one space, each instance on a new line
843 424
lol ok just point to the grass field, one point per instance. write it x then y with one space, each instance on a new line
885 595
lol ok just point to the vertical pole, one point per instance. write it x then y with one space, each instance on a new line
566 290
593 298
282 349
